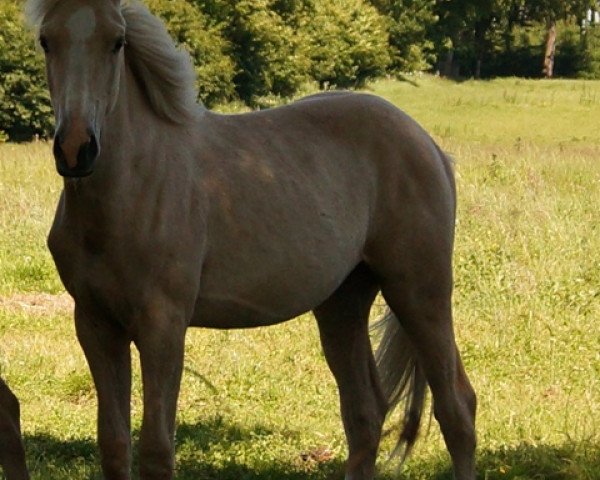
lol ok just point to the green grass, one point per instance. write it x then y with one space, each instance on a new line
261 404
509 112
29 190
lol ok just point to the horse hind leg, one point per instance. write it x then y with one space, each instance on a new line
343 326
424 312
12 454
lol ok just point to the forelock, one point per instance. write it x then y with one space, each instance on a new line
36 10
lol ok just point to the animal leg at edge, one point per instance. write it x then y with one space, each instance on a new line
12 454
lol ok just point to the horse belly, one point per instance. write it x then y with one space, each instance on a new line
256 286
226 313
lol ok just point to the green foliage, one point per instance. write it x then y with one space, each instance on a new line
481 37
410 24
204 40
552 10
589 58
270 56
347 42
262 51
279 45
577 54
25 108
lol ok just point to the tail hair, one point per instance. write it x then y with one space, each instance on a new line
402 379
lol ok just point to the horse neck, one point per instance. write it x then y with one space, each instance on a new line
131 130
131 135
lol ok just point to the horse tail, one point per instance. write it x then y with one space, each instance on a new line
402 379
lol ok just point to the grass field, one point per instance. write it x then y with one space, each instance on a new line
261 404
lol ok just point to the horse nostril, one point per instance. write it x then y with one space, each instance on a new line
87 153
93 147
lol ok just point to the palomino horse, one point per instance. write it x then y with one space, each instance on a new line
172 216
12 455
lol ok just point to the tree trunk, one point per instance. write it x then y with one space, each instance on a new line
481 45
548 70
447 64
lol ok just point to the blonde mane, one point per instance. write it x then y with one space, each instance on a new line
164 71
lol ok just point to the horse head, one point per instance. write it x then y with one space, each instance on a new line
83 44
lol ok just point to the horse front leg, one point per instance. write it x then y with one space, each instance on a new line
161 343
107 349
12 454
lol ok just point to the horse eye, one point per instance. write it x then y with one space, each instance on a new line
44 44
119 44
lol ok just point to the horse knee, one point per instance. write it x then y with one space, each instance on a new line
156 459
115 454
457 421
470 400
363 448
363 427
156 469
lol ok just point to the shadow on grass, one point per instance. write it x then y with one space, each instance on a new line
52 458
220 451
570 461
216 450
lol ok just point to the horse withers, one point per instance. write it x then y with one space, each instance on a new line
173 216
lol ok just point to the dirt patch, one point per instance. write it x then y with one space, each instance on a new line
311 459
40 303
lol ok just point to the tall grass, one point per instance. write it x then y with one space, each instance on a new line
261 404
29 189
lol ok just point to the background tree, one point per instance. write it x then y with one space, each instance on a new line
347 42
466 34
471 32
203 38
262 50
548 11
25 108
410 25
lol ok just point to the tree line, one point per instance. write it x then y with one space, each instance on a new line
256 51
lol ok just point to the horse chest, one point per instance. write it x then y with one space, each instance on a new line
85 255
79 257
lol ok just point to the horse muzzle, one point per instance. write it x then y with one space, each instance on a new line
74 155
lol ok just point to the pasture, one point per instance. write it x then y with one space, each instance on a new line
262 405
